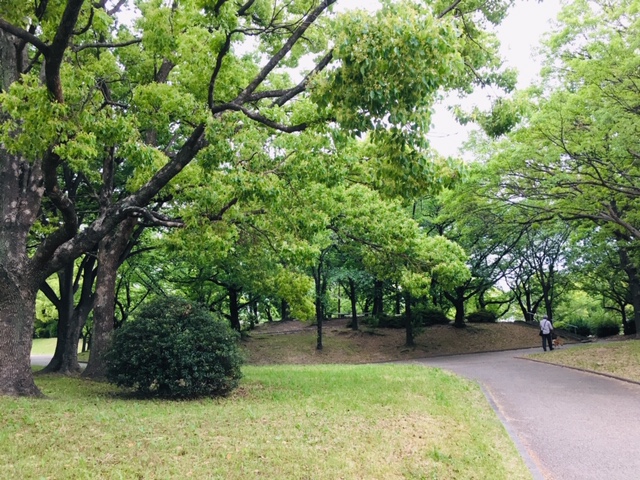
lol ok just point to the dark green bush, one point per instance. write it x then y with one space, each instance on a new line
607 329
482 316
429 316
174 348
390 321
421 318
629 327
45 328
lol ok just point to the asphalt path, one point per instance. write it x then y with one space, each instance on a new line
567 424
40 360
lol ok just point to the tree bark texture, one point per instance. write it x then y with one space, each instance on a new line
72 317
458 304
110 251
21 190
16 331
12 59
65 357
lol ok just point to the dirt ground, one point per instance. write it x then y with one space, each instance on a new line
294 342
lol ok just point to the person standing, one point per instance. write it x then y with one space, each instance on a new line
546 327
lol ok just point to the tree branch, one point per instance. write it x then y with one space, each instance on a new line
24 35
218 216
450 8
286 48
56 51
322 64
153 219
79 48
268 122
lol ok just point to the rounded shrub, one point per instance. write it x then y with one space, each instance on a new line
482 316
431 316
174 348
384 321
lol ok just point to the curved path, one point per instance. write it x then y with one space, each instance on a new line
567 424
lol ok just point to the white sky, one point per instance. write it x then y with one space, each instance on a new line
519 35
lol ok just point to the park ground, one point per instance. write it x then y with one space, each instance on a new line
339 418
294 342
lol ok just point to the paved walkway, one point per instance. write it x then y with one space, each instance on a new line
567 424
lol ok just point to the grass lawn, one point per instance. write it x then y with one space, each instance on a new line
47 346
621 358
285 422
43 346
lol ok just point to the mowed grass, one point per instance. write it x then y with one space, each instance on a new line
285 422
621 359
43 346
47 346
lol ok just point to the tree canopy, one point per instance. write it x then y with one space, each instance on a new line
123 107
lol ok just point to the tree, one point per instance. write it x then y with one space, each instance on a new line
575 157
604 266
72 315
486 230
91 87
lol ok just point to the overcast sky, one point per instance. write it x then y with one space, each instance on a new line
519 35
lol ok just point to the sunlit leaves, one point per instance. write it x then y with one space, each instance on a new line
392 64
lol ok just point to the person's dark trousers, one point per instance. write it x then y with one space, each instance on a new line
546 340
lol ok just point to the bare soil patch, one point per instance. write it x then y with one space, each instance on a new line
293 342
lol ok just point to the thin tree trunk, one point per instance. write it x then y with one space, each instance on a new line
410 341
317 277
234 309
378 305
354 307
634 285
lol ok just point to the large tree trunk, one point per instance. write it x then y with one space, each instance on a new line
71 319
20 194
458 304
110 252
65 358
17 316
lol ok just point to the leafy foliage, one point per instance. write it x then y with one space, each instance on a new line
175 348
